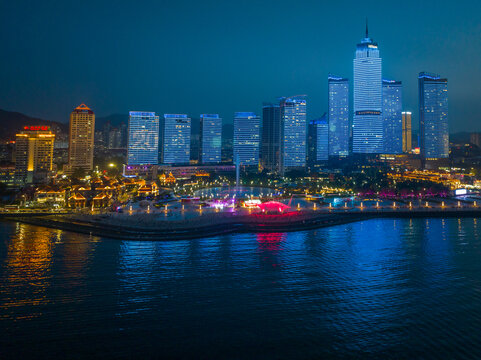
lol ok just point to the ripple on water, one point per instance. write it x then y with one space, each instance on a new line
375 289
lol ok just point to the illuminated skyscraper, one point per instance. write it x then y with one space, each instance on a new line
407 132
34 154
367 132
271 137
433 116
210 138
392 116
246 138
293 133
81 141
318 141
177 130
143 138
338 116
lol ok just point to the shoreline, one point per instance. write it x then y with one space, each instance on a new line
116 227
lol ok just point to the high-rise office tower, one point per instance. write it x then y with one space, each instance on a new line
475 139
246 138
318 141
433 116
34 154
392 116
143 138
210 138
338 116
124 135
407 132
177 131
114 138
271 137
293 133
81 141
367 132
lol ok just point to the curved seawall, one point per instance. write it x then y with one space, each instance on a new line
149 228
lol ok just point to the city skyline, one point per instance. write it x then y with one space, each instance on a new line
405 55
222 179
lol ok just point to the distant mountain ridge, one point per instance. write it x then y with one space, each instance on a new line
115 120
12 122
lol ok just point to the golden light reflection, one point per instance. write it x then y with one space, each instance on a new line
28 266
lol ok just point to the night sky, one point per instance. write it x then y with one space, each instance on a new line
224 56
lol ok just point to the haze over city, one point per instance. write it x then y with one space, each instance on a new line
213 57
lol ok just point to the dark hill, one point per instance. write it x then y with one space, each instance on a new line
115 120
11 122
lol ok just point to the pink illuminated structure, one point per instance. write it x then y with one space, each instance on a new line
273 207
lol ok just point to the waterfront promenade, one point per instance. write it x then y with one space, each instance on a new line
175 223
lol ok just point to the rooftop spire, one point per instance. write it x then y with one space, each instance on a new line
367 32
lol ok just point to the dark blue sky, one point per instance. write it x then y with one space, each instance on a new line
224 56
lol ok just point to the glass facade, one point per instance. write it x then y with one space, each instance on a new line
271 137
246 138
293 133
318 135
143 138
367 132
177 130
210 138
338 116
392 116
433 116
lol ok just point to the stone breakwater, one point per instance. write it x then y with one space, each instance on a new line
153 226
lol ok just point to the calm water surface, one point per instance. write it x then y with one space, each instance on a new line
373 289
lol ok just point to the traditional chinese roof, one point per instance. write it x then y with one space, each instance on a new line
77 196
101 196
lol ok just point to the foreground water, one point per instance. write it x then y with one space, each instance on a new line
373 289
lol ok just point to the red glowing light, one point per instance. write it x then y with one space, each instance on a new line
37 128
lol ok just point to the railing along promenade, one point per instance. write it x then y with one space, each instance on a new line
169 224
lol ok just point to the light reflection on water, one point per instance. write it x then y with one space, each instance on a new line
380 288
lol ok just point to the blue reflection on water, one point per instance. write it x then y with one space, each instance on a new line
374 289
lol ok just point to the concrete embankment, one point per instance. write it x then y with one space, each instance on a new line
192 230
150 228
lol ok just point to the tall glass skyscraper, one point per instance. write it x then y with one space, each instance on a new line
143 138
392 116
246 138
433 116
210 138
176 148
318 144
367 132
293 133
338 116
271 137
